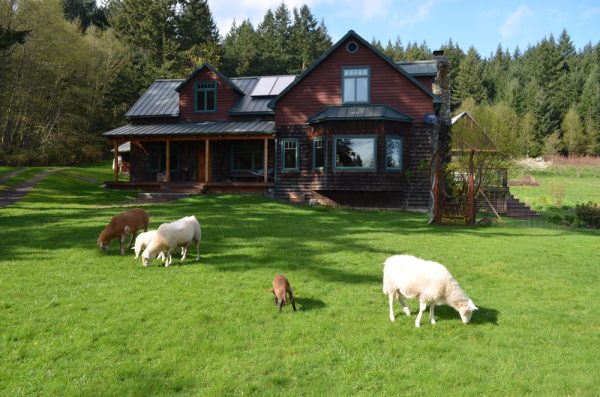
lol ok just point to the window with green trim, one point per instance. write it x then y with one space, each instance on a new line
355 85
319 153
206 96
393 153
289 155
353 153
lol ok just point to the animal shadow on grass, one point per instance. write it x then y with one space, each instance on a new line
306 304
483 315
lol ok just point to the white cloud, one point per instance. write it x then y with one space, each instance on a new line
590 12
514 20
225 11
422 14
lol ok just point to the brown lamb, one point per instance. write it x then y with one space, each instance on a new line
122 225
282 289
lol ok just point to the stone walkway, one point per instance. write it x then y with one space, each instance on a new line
15 193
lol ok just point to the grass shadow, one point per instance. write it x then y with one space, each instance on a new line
307 304
484 315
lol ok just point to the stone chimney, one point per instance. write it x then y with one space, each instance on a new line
441 86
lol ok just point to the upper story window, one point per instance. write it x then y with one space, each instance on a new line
356 85
206 96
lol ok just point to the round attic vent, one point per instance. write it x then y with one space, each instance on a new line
352 47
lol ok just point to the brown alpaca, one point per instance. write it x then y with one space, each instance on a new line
282 289
122 225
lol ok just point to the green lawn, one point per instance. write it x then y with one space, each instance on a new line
76 321
20 178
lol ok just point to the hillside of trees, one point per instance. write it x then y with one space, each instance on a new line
71 69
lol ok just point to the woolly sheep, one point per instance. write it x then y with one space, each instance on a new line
169 236
142 241
410 277
122 225
282 289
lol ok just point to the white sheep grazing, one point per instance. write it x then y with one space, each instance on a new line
410 277
169 236
142 241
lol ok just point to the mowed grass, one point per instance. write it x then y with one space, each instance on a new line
76 321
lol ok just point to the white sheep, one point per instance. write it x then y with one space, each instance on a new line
169 236
410 277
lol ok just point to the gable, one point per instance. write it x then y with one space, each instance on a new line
227 95
321 85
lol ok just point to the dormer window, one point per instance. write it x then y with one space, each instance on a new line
356 85
206 96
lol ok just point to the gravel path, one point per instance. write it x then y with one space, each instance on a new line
6 177
15 193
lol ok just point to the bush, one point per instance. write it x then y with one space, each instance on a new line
589 214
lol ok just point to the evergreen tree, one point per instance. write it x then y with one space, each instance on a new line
469 81
307 41
592 133
86 12
528 138
197 35
240 55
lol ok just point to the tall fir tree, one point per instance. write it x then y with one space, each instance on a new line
469 80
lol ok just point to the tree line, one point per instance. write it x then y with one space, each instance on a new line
72 68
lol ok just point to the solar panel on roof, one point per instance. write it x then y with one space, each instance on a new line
281 84
264 86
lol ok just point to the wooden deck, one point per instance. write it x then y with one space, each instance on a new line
193 187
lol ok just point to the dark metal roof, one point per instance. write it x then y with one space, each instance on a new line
203 128
248 103
159 100
359 112
419 68
353 34
215 71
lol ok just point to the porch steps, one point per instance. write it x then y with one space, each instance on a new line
163 195
516 209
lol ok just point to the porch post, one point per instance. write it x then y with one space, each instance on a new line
116 160
265 160
168 171
207 161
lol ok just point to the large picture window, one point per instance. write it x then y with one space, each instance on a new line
354 153
393 153
356 85
247 157
319 153
289 155
206 96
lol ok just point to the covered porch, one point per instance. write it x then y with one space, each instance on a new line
197 157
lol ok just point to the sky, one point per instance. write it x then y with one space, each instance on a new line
481 23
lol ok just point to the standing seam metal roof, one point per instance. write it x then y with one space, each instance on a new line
160 99
359 112
203 128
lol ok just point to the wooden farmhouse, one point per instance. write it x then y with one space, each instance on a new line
354 128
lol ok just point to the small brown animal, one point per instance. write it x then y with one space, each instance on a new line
282 289
122 225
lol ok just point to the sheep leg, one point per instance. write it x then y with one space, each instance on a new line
280 305
404 307
131 239
431 319
184 249
197 250
391 295
168 258
422 308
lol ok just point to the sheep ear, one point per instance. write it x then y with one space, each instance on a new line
472 305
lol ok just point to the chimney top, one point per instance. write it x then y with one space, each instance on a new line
438 53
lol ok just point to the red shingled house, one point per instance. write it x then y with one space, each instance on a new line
350 129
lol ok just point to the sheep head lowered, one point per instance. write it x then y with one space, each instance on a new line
282 289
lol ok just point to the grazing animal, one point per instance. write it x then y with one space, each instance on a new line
430 282
169 236
282 290
122 225
142 241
